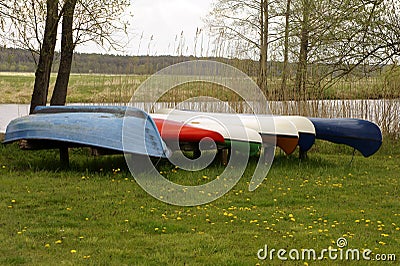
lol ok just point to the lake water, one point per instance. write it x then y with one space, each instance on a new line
385 113
9 112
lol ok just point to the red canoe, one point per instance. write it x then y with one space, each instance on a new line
170 130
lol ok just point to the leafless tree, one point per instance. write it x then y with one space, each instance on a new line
33 25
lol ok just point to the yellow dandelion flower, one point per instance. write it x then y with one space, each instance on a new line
178 218
357 221
13 201
73 251
58 242
382 243
47 245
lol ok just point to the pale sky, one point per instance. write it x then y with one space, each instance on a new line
164 20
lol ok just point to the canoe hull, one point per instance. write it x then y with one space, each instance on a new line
362 135
274 130
182 136
72 126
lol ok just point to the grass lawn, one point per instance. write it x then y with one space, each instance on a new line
95 213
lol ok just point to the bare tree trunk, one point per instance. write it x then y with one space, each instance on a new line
42 74
301 74
67 51
285 70
263 72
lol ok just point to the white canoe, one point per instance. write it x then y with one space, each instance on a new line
273 129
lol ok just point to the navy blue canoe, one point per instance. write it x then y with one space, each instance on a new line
362 135
93 126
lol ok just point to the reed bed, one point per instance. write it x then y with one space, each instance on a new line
372 98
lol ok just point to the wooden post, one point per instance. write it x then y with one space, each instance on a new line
196 153
64 156
302 154
223 155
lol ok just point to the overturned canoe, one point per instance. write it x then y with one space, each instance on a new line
273 130
182 136
306 131
362 135
230 133
93 126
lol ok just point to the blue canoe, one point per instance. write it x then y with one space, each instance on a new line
362 135
92 126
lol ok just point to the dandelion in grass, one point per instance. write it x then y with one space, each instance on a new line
73 251
47 245
58 241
